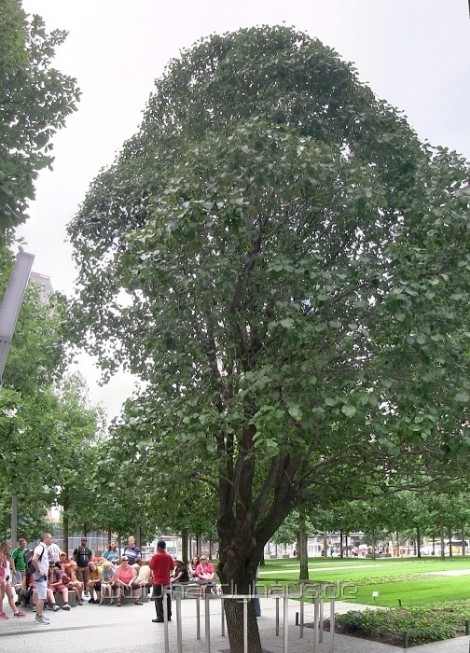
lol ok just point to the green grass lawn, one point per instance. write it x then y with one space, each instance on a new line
415 593
394 579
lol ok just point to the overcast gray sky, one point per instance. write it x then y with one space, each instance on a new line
413 53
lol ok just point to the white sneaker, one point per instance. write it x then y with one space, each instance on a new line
42 620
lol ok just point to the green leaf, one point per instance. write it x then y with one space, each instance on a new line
348 410
295 412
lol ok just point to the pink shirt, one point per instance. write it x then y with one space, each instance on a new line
125 575
208 569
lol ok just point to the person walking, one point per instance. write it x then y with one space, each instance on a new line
40 562
161 565
6 588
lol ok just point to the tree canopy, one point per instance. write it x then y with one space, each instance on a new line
35 100
284 263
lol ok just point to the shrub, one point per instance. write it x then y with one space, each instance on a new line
423 625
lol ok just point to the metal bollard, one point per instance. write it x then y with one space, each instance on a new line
332 626
320 637
245 625
207 622
179 633
277 616
316 612
222 616
285 624
165 618
198 619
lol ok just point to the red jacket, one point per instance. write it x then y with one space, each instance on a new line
161 564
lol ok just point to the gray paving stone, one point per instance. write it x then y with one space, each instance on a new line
109 629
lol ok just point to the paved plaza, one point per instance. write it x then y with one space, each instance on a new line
129 629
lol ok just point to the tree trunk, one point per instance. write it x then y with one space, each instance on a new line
247 520
418 541
184 545
237 575
302 549
65 525
234 616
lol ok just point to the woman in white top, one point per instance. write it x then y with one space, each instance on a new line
5 581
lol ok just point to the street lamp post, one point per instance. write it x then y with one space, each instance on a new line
9 311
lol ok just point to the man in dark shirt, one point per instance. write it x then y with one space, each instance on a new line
82 556
161 565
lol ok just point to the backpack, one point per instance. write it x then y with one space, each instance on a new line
28 558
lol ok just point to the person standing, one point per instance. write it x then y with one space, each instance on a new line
132 551
40 562
53 552
82 556
161 565
18 556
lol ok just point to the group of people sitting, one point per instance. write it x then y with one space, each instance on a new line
110 577
108 581
199 571
103 581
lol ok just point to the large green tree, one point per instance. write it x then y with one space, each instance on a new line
29 409
287 268
35 99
